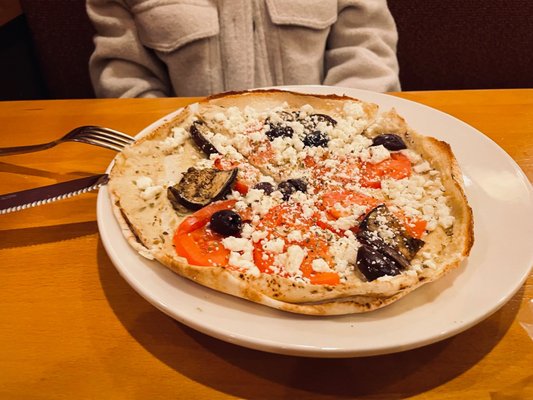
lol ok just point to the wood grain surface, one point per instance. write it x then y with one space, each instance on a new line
72 328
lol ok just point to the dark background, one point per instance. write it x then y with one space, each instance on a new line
444 44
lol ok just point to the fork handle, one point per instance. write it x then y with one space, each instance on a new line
7 151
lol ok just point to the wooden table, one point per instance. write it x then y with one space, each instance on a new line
72 328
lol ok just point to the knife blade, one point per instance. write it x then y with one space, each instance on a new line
18 201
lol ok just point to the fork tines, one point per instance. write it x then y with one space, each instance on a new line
104 137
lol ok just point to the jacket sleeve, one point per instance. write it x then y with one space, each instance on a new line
120 65
361 49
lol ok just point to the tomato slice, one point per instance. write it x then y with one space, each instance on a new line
241 187
315 249
202 216
287 215
318 248
324 278
346 198
262 260
246 175
396 167
327 224
261 155
413 226
342 173
224 164
290 217
202 247
199 245
416 228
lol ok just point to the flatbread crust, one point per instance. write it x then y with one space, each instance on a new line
150 225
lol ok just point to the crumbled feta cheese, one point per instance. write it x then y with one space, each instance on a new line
419 197
244 260
264 205
353 109
254 195
385 278
428 209
345 223
295 257
151 191
422 167
295 236
364 154
176 139
378 154
240 205
320 265
143 182
257 136
307 109
258 235
432 224
219 117
237 244
447 221
247 231
274 245
344 251
307 211
412 155
254 271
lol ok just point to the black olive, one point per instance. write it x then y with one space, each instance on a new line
322 118
290 186
311 122
373 264
288 116
280 129
226 223
286 189
299 184
316 139
277 131
266 187
390 141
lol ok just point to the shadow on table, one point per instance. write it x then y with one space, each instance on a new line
23 170
37 235
247 373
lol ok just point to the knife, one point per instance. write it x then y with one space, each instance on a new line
17 201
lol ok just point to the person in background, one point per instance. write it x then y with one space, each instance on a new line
159 48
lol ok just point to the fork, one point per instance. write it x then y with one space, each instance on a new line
95 135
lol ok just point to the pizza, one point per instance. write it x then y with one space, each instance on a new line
312 204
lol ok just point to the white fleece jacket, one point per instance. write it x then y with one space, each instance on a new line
152 48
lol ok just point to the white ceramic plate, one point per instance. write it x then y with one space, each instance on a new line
501 198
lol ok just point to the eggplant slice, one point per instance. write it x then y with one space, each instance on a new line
381 218
199 131
199 187
378 256
372 263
